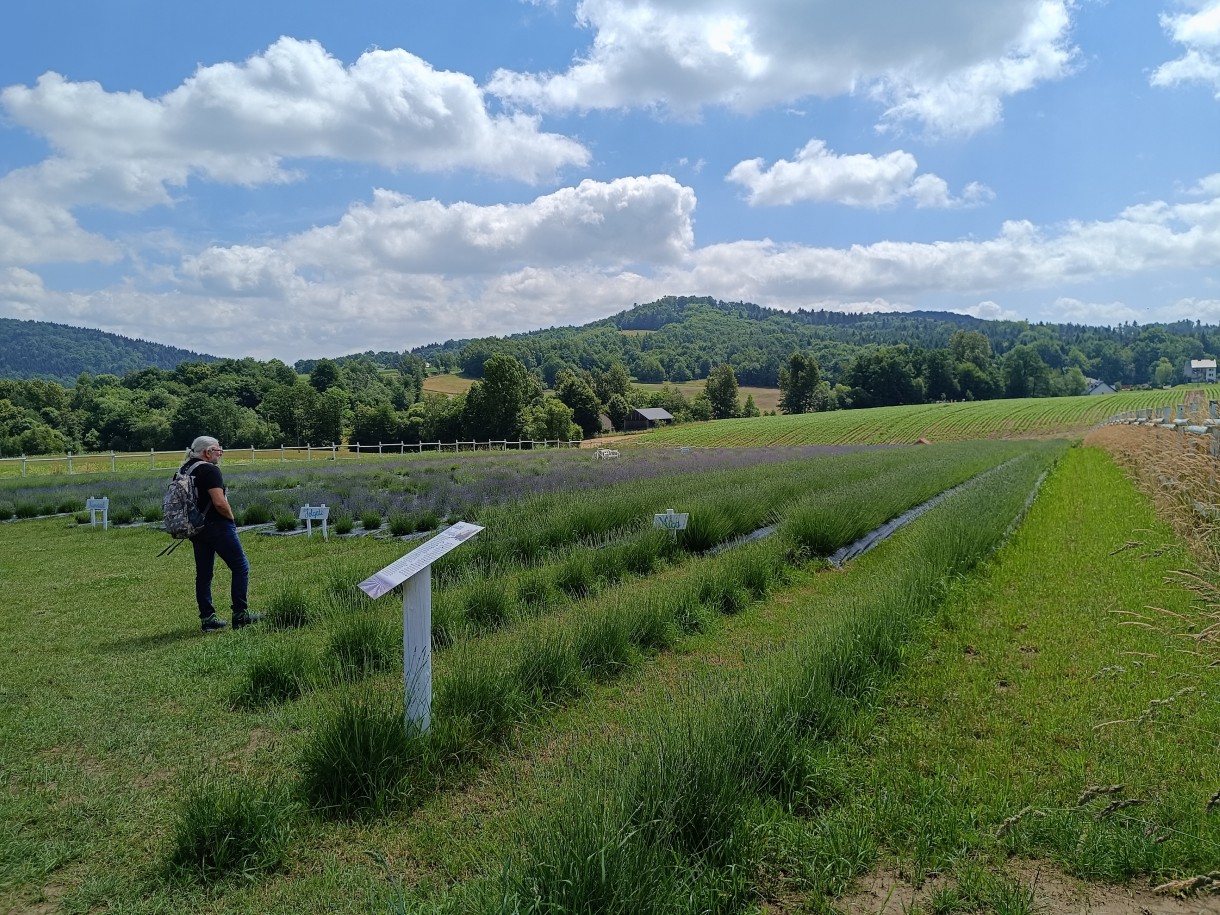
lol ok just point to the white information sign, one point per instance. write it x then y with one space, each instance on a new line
93 506
670 520
311 513
418 559
415 569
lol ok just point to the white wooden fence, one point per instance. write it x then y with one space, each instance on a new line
113 462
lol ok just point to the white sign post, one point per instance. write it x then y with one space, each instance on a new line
311 513
93 506
670 521
415 569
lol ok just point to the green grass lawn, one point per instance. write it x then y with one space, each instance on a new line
1045 675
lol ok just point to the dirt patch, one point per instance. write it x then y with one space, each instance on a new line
604 440
1050 891
46 904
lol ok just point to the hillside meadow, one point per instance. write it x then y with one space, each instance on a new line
980 714
937 422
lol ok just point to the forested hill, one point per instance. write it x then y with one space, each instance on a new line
679 338
58 352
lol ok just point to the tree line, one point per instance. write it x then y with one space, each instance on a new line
560 383
248 403
681 338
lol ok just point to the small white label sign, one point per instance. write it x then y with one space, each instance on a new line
670 520
314 513
418 559
97 505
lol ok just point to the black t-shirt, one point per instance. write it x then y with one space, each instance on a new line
207 477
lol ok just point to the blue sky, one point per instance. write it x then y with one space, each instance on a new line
302 179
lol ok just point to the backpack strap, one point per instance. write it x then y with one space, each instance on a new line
189 472
169 549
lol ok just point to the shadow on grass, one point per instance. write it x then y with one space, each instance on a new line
156 640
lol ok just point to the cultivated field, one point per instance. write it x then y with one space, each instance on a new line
447 384
624 720
764 398
938 422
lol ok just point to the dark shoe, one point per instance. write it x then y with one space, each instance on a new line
245 618
213 623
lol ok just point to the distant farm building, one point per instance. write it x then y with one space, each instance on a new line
1097 386
1201 371
646 418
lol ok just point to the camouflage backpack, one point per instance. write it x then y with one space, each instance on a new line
180 507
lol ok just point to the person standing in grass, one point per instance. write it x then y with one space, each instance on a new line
218 538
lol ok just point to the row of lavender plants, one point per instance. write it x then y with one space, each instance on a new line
438 485
486 596
675 822
360 759
820 507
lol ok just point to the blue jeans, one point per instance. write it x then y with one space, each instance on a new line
219 538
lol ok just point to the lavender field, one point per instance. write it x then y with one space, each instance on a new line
429 485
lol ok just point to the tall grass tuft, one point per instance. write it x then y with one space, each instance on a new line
278 674
719 591
604 645
361 644
286 521
705 529
289 608
124 514
583 859
816 532
690 615
355 761
490 604
448 623
642 555
340 588
401 523
577 576
229 827
256 513
370 520
536 589
652 624
426 520
485 696
549 671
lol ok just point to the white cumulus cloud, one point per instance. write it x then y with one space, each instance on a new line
970 98
237 122
948 65
249 123
859 180
1199 32
613 224
396 272
1078 311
